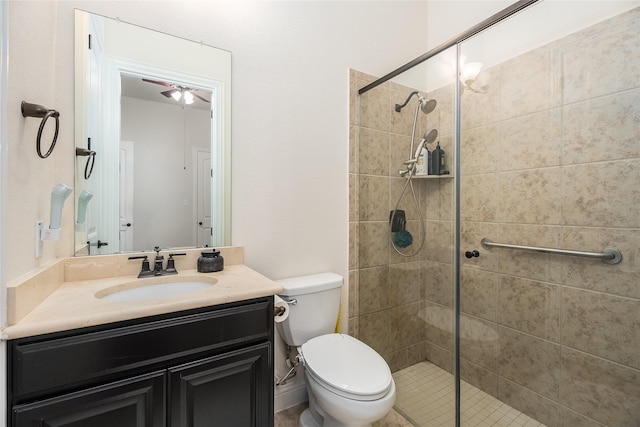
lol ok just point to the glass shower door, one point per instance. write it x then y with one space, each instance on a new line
550 157
426 388
402 288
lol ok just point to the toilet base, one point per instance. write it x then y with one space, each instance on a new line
307 419
315 416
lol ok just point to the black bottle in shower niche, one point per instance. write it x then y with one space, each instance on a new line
437 161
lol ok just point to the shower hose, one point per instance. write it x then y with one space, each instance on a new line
409 183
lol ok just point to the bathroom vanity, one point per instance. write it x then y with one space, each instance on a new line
210 366
199 359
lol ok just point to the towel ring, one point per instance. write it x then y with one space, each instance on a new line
90 160
35 110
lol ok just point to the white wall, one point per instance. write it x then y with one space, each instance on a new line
34 76
290 114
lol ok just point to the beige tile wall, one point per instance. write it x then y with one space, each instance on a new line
387 291
550 157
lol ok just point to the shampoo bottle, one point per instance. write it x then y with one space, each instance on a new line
437 160
422 163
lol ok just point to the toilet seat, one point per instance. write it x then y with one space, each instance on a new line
347 367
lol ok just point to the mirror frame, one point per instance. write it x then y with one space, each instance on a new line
211 72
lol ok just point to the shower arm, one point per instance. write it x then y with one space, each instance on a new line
399 107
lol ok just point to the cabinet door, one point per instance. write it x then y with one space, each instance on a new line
136 402
233 389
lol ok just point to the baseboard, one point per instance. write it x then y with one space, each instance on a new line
287 396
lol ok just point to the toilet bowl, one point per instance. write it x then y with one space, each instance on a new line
348 383
336 411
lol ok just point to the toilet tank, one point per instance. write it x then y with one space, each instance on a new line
315 311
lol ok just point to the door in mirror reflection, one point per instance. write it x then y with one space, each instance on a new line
203 198
126 196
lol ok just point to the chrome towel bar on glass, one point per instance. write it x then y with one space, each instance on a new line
608 255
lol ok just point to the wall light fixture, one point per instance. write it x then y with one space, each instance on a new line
469 74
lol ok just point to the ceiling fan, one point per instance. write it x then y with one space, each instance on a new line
177 92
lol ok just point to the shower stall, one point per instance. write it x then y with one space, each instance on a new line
522 307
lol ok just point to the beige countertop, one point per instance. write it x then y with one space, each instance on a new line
76 304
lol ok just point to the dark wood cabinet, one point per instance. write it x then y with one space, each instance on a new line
135 402
236 379
205 367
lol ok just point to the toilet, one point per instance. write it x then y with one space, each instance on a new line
348 383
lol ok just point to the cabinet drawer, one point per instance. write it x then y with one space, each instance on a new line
58 364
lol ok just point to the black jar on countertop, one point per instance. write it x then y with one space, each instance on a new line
210 262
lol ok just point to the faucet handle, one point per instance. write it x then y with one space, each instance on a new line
146 270
171 265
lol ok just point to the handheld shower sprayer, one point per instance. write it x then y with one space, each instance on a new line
427 138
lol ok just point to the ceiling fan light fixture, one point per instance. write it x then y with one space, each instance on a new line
176 95
188 97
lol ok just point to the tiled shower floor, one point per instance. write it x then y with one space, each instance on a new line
425 397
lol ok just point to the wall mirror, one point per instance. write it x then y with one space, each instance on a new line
153 139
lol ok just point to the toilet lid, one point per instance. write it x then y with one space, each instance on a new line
347 365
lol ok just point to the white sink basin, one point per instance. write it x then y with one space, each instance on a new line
138 291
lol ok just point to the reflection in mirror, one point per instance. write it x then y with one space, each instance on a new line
165 159
156 112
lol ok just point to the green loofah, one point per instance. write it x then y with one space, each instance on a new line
403 239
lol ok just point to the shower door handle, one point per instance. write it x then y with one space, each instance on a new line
472 254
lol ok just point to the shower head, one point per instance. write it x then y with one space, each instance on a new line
427 105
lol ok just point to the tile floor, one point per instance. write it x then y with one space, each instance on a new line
289 418
425 398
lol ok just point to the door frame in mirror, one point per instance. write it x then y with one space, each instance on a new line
115 69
